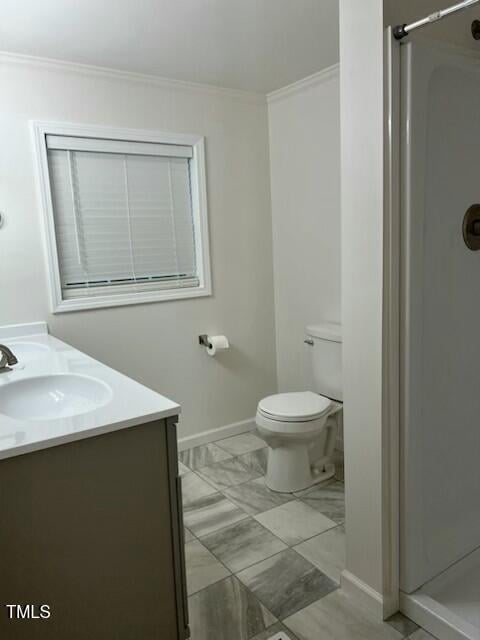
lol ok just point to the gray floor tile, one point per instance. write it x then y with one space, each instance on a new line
255 497
226 473
202 456
227 611
256 460
194 487
188 535
421 634
286 583
211 513
244 443
243 544
326 552
295 522
182 469
329 499
272 632
338 618
203 569
402 624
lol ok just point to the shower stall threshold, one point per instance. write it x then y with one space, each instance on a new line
448 606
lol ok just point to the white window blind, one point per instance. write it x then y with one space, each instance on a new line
123 216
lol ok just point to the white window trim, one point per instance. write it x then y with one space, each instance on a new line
199 209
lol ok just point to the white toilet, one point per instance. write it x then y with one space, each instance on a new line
300 428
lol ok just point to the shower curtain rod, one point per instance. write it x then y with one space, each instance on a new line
402 30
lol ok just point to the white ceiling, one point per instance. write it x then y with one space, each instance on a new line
254 45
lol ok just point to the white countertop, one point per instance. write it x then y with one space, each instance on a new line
127 403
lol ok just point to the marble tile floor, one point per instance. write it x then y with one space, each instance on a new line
194 488
243 544
202 456
295 522
421 634
326 552
207 514
255 497
227 473
338 619
286 583
203 568
328 499
264 565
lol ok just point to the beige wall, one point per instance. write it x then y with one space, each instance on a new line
304 122
155 344
361 90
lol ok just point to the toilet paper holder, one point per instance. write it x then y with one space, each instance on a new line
213 344
203 341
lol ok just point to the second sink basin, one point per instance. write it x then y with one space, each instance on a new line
52 396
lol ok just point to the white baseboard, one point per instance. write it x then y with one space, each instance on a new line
362 594
211 435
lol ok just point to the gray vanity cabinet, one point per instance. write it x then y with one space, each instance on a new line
93 530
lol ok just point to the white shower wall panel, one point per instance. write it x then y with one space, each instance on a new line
440 479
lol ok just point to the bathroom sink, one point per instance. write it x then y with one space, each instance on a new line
51 397
28 351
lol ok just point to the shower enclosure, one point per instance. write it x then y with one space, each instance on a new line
440 341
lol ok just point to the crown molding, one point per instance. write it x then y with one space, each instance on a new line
304 84
65 66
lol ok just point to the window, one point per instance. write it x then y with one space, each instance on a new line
126 216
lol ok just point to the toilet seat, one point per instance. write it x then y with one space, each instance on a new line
298 407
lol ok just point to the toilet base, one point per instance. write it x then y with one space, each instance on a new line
327 472
289 469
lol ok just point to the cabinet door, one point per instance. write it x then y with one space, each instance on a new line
86 528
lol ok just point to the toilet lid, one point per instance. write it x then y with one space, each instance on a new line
295 407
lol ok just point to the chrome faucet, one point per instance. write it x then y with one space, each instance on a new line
7 358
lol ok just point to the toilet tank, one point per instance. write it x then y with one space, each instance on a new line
324 344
